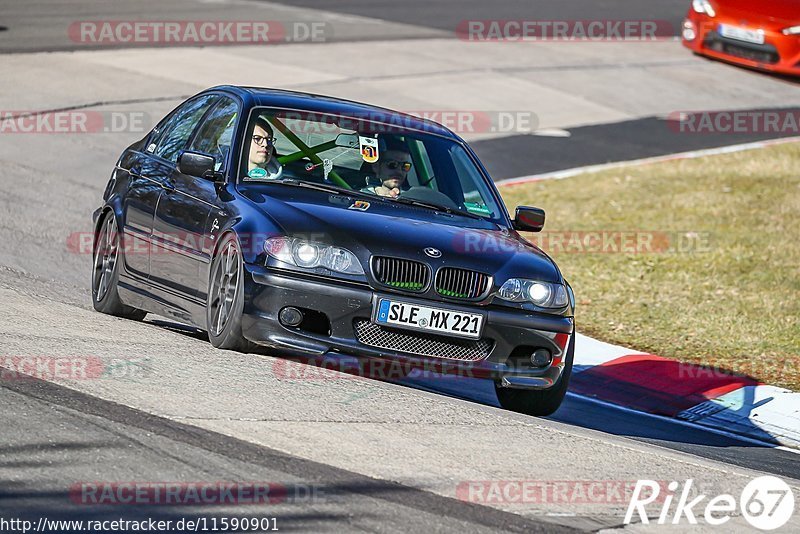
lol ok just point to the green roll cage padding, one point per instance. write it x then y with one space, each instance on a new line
294 156
307 151
422 170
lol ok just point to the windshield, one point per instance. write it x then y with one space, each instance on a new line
373 158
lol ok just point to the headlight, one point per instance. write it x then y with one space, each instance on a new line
310 255
794 30
305 254
342 260
542 294
704 6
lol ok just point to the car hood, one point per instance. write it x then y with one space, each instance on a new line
384 228
771 14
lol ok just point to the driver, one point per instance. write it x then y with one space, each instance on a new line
262 152
391 170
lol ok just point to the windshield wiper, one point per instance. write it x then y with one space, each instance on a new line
323 187
437 207
400 200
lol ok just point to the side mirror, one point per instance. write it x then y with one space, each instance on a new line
529 219
198 164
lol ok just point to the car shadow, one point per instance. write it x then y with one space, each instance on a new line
186 330
178 328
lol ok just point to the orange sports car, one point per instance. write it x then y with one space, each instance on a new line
762 34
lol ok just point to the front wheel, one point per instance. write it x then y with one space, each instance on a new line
105 272
539 402
226 297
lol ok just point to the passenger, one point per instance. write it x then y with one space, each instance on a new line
391 170
262 152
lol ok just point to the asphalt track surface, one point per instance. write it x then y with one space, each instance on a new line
373 448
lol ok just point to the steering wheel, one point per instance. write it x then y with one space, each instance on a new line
426 194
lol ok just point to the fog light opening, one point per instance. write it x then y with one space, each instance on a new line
290 316
541 358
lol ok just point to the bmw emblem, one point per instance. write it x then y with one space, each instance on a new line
433 252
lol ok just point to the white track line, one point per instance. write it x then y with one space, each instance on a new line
567 173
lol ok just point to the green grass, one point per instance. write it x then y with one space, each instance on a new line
730 298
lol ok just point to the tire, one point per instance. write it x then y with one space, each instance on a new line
225 301
105 272
539 402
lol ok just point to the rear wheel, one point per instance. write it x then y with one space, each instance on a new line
226 297
106 263
539 402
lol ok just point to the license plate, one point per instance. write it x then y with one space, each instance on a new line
436 320
742 34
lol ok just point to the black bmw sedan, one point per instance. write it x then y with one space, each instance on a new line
318 227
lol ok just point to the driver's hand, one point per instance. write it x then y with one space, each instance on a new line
386 192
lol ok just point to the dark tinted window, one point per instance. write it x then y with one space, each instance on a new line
179 127
216 133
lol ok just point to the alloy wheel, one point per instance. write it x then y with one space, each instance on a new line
224 288
105 258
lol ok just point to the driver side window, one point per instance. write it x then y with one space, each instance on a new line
216 134
180 126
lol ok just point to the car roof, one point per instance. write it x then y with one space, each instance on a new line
295 100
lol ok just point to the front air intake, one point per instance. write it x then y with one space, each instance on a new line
461 283
402 274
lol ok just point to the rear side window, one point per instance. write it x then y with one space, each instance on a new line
179 127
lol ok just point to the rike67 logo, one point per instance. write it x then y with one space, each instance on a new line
767 503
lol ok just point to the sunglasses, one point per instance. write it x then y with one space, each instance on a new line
405 166
263 141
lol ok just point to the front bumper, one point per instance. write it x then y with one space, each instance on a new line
344 304
779 53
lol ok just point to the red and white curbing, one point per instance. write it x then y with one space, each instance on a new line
696 394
